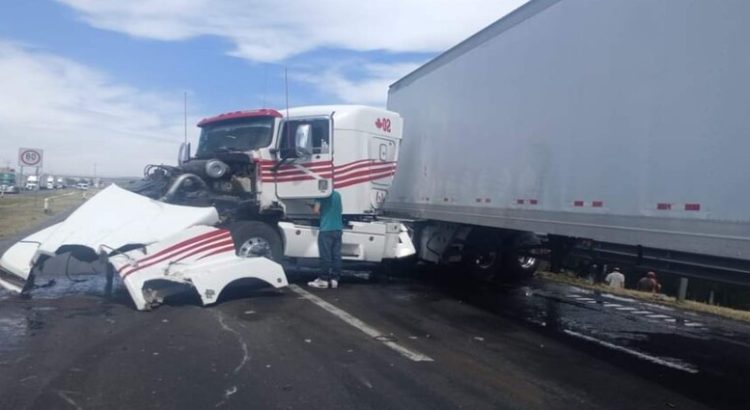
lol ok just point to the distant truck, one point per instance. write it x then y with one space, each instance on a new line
8 183
32 183
50 184
617 130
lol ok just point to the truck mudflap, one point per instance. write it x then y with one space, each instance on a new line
201 257
114 217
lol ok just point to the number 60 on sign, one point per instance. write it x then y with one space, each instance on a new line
30 157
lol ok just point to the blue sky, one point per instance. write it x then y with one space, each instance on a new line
102 81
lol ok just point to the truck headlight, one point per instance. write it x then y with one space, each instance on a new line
216 168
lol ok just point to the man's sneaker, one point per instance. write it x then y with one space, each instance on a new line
334 283
319 283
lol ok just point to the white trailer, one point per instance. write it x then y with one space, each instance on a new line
624 122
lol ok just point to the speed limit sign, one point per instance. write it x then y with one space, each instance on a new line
30 157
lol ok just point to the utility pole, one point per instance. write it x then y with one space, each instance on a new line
185 113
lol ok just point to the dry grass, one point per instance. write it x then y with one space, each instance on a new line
21 212
654 298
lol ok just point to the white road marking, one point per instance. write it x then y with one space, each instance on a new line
658 316
362 326
659 307
684 367
621 299
693 324
615 305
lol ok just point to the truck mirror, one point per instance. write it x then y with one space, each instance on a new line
184 153
303 140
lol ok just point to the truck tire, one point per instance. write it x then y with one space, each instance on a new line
256 239
516 264
483 254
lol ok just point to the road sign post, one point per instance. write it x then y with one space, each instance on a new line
30 157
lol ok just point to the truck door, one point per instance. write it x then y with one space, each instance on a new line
306 149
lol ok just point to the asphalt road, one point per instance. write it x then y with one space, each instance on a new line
424 339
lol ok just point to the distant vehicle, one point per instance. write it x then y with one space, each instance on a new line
82 186
8 183
50 182
60 184
32 183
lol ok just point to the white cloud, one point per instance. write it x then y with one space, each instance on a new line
370 86
274 30
79 116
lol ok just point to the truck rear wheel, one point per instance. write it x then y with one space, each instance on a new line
483 254
516 263
498 256
256 239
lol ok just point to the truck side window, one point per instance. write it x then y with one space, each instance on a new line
321 138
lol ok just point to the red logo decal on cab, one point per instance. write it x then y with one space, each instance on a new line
383 124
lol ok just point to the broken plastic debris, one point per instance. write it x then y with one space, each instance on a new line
479 338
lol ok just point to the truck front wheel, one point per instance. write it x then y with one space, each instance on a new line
254 239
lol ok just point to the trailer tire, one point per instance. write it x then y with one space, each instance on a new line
256 239
516 263
483 255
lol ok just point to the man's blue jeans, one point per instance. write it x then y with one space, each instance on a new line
329 247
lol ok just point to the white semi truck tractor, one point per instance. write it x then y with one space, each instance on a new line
615 130
246 190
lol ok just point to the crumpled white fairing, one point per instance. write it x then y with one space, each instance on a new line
176 244
203 257
111 219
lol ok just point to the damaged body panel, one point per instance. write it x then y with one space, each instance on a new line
144 240
203 257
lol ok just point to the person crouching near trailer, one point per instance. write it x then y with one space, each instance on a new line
649 283
329 241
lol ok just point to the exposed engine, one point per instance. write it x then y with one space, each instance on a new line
226 182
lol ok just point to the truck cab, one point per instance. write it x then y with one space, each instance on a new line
262 169
32 183
277 163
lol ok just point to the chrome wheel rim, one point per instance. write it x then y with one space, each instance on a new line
255 247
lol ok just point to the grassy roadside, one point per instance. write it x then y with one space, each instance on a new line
657 298
24 211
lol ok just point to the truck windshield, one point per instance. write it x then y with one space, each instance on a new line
240 135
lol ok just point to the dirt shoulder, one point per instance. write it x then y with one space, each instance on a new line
724 312
19 213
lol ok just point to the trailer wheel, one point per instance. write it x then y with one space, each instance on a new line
256 239
517 263
483 254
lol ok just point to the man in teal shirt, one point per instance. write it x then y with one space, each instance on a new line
329 241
